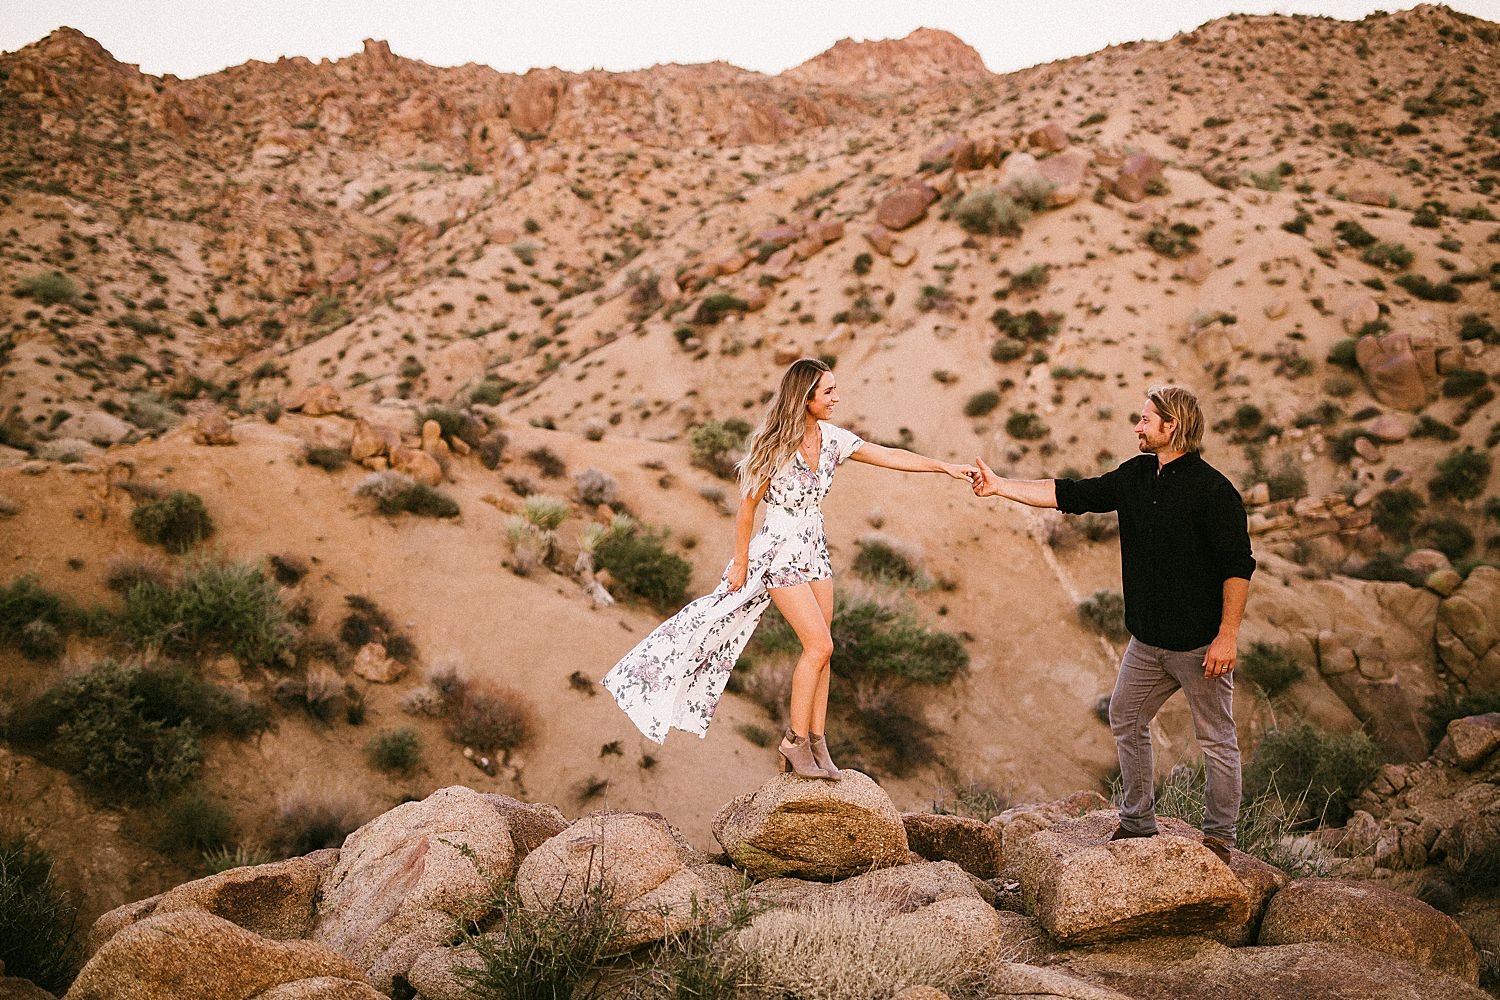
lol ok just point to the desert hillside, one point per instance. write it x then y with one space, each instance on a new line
256 287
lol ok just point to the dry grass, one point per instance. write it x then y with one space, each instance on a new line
308 819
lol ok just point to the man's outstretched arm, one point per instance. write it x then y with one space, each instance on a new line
1031 492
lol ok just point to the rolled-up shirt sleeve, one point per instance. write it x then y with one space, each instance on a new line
1084 496
1227 534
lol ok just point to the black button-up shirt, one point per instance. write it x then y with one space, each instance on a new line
1182 534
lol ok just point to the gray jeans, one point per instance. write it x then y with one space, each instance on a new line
1148 677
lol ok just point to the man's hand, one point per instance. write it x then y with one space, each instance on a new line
1221 656
986 483
967 473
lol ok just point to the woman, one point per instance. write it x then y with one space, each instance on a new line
677 673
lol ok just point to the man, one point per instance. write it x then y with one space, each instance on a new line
1186 563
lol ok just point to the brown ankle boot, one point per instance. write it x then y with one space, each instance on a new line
820 754
797 757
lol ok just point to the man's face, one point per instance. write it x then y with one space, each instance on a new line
1152 433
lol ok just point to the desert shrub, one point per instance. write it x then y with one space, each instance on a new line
1312 772
194 823
1427 427
642 567
876 640
545 951
321 693
1273 668
1104 612
1461 476
309 819
222 859
1423 288
1386 567
596 487
33 619
716 307
841 950
395 493
1475 327
49 289
984 210
881 561
1342 354
38 924
545 511
325 457
491 449
531 546
1388 256
1172 241
1394 512
1025 426
974 799
484 715
96 726
1450 537
1353 234
981 403
1031 192
717 445
1007 349
455 423
862 263
1031 325
213 606
1464 382
367 622
547 462
176 522
395 751
288 569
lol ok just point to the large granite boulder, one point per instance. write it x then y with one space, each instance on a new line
1191 968
970 843
193 955
321 988
1468 630
812 829
1021 821
1398 368
1372 917
276 901
407 876
531 823
634 865
1085 888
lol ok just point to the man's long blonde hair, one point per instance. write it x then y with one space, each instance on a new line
779 435
1174 402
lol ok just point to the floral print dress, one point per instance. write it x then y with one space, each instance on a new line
675 676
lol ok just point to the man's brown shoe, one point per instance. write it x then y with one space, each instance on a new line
1219 848
1123 834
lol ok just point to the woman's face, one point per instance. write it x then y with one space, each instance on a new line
825 397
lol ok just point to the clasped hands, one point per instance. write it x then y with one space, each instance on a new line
980 477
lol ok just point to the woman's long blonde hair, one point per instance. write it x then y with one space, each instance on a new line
779 435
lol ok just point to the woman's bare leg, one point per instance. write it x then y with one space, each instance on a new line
823 591
800 607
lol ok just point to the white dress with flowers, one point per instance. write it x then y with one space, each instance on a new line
675 677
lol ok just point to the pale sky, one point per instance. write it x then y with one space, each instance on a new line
193 38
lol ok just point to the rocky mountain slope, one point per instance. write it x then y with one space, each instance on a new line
1295 216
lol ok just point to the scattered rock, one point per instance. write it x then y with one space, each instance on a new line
905 207
317 401
1397 368
374 664
1469 741
1135 176
1050 137
969 843
812 829
417 464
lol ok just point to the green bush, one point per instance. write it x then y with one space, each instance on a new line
981 403
1394 512
1424 289
1461 476
1272 668
99 727
1464 382
1006 349
642 567
984 210
1353 234
1476 327
38 925
1030 326
1312 772
1104 612
33 619
716 445
1342 354
214 606
397 494
1172 241
194 823
327 458
881 562
50 289
543 952
876 640
716 307
1388 257
396 751
1448 536
176 522
1025 426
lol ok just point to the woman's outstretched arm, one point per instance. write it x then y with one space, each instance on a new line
744 527
909 461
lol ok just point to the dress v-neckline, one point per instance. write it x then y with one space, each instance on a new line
805 463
